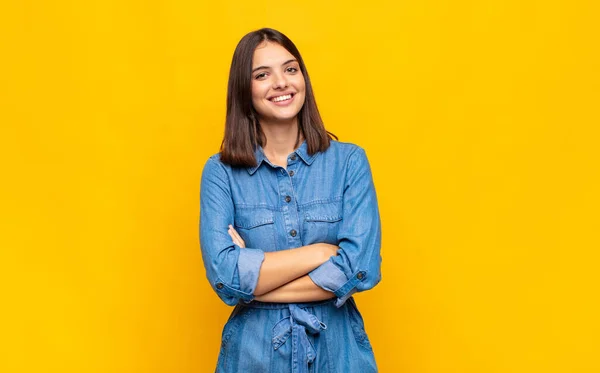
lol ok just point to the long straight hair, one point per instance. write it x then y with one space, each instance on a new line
243 133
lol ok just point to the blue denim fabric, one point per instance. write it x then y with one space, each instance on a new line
315 337
327 197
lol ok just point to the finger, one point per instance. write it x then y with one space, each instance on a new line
236 237
233 236
234 233
240 239
230 232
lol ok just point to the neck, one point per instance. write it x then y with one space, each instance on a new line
281 140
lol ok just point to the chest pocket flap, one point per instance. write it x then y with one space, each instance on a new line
256 226
249 218
324 212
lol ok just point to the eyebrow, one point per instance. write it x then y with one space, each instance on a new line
266 67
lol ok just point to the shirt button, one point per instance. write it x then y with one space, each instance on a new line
360 276
219 286
293 157
293 233
292 173
288 198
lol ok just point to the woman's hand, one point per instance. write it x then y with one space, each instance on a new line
236 237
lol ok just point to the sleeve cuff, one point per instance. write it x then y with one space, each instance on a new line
248 266
329 277
249 263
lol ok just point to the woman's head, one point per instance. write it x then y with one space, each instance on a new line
278 86
268 81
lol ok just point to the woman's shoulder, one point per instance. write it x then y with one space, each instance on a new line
214 165
215 158
348 154
344 149
344 146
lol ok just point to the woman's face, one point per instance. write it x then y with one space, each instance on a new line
278 88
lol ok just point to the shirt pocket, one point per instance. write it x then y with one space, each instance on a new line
322 222
256 226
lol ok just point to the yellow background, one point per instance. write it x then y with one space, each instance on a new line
480 120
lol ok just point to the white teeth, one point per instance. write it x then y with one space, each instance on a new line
281 98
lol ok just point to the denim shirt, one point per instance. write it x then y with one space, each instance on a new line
325 197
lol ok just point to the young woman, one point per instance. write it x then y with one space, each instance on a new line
289 223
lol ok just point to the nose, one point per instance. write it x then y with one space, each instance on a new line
279 81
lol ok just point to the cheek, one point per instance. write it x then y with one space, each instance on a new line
302 100
258 90
254 91
302 92
300 83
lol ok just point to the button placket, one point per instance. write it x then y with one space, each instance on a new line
289 209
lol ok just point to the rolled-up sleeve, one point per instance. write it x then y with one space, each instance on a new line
232 271
357 267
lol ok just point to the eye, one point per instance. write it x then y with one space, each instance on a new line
291 69
260 76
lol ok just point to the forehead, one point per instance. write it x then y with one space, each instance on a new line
270 54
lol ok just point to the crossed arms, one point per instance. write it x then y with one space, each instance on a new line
283 275
308 273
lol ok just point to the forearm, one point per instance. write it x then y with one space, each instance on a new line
302 289
281 267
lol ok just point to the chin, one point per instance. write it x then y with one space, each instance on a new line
283 117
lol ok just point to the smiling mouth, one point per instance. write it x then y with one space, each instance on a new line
282 98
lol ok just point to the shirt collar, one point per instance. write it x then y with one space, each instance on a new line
302 152
259 155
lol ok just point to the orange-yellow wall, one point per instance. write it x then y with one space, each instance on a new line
480 119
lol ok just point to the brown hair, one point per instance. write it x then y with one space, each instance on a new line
242 130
